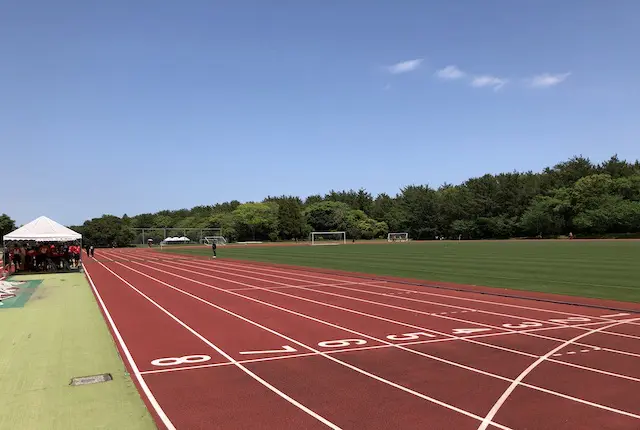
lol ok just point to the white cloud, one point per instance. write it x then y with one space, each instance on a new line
547 80
488 81
450 72
405 66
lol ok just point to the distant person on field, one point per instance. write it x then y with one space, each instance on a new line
570 235
213 248
92 250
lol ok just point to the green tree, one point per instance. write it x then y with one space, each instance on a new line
316 198
107 231
328 216
361 226
291 219
7 225
389 211
420 209
260 220
465 228
543 217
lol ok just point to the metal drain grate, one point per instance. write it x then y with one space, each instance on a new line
95 379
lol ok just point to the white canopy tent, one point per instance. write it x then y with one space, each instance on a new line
41 229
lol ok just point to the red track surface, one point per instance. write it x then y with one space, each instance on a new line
220 344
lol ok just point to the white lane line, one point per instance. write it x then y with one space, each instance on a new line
415 311
285 348
597 405
317 285
616 315
227 356
345 287
343 363
489 345
303 274
496 407
414 343
136 372
559 325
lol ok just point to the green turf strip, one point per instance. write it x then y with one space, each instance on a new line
597 269
57 335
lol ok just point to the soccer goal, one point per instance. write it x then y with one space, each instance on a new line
218 240
398 237
328 237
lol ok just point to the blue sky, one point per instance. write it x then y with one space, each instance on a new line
129 107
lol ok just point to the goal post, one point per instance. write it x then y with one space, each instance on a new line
328 237
210 240
398 237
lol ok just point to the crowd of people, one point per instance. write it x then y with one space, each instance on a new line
42 256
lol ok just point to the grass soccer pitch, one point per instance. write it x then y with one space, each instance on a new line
594 269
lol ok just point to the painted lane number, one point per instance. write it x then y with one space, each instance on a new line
174 361
409 336
341 343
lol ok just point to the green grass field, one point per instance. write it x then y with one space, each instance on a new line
60 334
597 269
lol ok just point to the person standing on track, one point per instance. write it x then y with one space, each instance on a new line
213 248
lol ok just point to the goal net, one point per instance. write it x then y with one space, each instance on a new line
398 237
328 237
218 240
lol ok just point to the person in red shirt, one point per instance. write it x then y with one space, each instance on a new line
41 256
75 255
31 258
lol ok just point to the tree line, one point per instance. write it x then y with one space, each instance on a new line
578 196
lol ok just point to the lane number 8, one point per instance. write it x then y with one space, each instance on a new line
174 361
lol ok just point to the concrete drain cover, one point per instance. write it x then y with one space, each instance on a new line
95 379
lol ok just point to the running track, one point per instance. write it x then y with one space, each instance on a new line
231 345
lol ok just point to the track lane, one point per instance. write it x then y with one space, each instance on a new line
459 296
270 411
148 334
432 410
622 411
450 304
408 311
570 321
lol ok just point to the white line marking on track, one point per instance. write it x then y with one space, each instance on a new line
302 286
529 332
577 326
597 405
616 315
227 356
303 274
558 324
496 407
343 363
440 340
285 348
145 388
